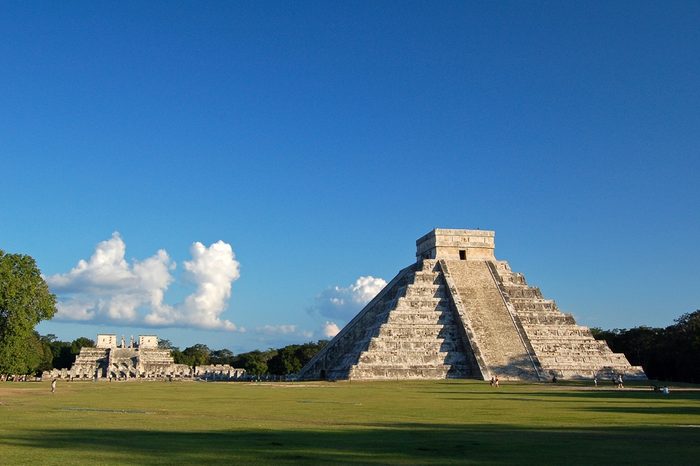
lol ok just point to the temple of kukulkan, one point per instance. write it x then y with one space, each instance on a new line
458 312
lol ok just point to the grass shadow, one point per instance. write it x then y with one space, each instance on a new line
400 443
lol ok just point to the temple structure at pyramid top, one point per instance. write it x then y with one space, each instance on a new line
458 312
456 245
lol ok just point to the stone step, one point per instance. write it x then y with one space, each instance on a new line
424 285
411 345
545 329
544 351
421 319
420 294
526 301
427 278
417 331
421 301
568 341
524 293
413 372
440 309
411 358
540 313
535 305
407 314
550 320
601 369
560 332
553 358
590 361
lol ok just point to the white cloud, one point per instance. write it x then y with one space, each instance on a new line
213 270
342 303
330 329
106 288
283 329
105 270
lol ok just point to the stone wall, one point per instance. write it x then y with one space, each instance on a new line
456 245
108 340
219 372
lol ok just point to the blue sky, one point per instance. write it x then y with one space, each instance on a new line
305 145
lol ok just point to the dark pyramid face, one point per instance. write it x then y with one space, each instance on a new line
460 313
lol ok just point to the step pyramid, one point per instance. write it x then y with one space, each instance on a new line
458 312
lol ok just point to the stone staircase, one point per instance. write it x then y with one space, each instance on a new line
336 359
496 336
420 338
562 347
154 362
409 331
88 363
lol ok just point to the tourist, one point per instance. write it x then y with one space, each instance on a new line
53 386
495 381
595 380
619 381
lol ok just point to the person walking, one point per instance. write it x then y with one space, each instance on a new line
53 386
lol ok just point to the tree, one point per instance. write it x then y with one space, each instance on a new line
254 362
41 358
671 353
175 352
285 361
292 358
62 356
684 336
181 358
164 343
222 356
25 300
197 355
79 343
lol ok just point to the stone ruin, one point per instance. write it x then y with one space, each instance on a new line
458 312
219 372
141 359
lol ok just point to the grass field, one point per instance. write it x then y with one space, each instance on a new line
436 422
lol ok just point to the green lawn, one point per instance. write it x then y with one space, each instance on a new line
346 422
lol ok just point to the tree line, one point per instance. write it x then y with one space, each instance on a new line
48 352
670 354
280 361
